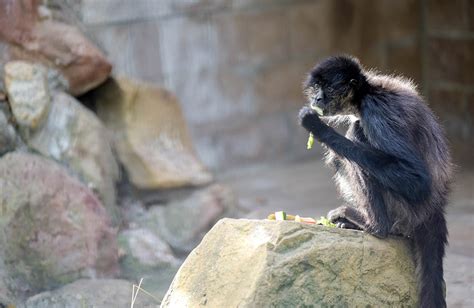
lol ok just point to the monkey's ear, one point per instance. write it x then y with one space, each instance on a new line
353 82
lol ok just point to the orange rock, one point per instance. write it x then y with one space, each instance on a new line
52 43
151 136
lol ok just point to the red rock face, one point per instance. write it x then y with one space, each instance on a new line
17 19
53 229
53 43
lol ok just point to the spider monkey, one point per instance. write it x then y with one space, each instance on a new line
393 166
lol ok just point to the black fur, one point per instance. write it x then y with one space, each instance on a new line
393 166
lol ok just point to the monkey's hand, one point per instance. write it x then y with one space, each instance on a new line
308 118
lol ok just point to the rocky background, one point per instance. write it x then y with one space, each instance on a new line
117 116
108 188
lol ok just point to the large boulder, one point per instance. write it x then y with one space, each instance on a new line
91 293
6 296
53 229
32 34
249 263
74 136
151 136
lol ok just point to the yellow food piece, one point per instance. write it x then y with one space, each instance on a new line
296 218
317 109
272 216
309 144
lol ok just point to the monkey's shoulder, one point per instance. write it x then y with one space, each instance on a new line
392 84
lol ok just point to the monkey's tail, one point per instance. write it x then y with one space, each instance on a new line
430 240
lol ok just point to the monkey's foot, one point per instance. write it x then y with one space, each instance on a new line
345 224
346 217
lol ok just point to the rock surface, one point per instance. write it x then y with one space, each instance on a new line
30 36
91 293
249 263
53 229
74 136
6 298
183 223
151 136
28 93
8 136
145 255
143 248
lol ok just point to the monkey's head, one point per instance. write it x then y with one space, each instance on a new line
336 85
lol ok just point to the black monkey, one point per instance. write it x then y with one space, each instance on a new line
393 167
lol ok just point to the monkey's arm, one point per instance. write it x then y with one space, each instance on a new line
407 177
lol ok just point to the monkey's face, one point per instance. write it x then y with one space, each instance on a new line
332 86
331 100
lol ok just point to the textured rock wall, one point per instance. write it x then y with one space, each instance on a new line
448 50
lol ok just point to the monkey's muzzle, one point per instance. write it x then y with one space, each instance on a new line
316 108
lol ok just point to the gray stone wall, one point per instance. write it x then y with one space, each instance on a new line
237 65
448 70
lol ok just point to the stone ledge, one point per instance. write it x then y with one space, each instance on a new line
259 263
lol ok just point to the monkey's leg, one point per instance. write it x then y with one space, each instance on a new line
378 222
375 221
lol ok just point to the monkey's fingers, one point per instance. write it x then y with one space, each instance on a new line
345 224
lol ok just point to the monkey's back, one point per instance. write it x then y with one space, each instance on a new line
405 111
396 120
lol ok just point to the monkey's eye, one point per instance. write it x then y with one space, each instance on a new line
330 89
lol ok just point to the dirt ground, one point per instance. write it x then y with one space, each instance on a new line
307 189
